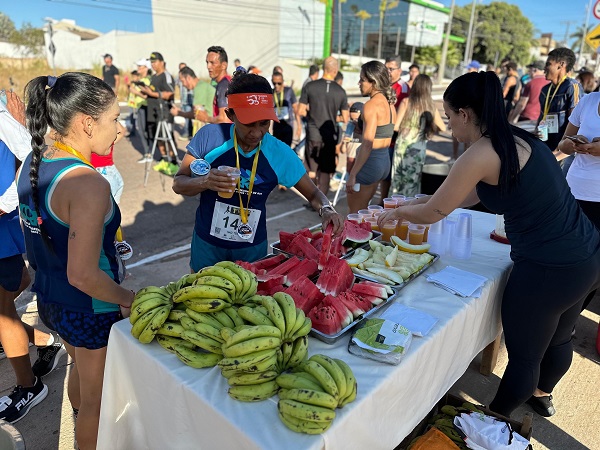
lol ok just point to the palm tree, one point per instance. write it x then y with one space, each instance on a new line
384 5
362 15
577 38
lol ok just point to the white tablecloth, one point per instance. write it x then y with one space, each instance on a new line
152 401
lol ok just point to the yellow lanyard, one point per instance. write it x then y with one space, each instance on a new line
244 211
548 105
72 151
278 102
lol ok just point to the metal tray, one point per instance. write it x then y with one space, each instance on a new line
317 228
333 338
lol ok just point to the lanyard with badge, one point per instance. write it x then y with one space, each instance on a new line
551 119
283 112
245 231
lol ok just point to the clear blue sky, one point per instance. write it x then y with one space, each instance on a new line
548 16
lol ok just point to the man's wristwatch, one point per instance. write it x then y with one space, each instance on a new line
324 207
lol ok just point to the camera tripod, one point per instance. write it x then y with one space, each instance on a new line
163 134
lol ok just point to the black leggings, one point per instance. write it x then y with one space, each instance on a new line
592 211
539 309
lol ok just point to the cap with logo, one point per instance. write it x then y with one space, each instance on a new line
252 107
155 56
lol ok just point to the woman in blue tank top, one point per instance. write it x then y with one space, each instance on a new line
69 221
555 248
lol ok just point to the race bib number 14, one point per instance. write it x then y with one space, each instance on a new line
226 222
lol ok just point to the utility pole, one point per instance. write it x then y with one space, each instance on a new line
470 35
442 67
568 24
398 41
51 46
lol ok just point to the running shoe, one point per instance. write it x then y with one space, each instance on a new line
15 406
48 358
144 159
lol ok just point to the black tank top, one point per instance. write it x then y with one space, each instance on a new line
543 221
385 131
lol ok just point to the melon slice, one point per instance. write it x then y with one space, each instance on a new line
325 319
409 248
389 290
387 273
337 249
301 247
317 243
285 239
326 246
268 282
368 289
354 304
306 267
285 267
354 235
343 312
305 294
371 299
268 263
304 232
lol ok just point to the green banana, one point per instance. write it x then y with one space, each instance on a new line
171 329
169 342
286 349
304 329
204 342
222 317
299 352
321 374
254 317
303 411
293 381
219 282
227 333
199 292
310 397
307 376
246 379
251 346
240 272
300 316
196 359
179 307
254 393
142 322
288 307
202 307
209 331
261 309
334 370
224 273
150 290
253 287
176 314
187 323
275 313
351 383
200 317
228 373
234 316
154 325
171 288
253 332
304 426
250 363
147 305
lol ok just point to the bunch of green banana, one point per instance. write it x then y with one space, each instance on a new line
293 353
237 282
149 311
310 394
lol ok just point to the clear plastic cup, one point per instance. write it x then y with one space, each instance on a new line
406 200
389 203
398 197
373 221
435 238
234 173
449 231
374 208
463 238
354 218
402 229
376 214
364 213
543 131
388 230
416 234
426 233
464 226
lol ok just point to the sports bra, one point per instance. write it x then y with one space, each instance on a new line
385 131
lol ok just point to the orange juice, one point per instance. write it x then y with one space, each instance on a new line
402 229
373 222
388 230
389 203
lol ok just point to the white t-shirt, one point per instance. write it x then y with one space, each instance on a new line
584 175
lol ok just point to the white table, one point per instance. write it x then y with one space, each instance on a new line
152 401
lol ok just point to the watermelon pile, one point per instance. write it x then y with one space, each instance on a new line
336 312
319 245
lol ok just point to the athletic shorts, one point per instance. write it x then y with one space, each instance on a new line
324 154
11 272
376 168
391 151
205 254
78 329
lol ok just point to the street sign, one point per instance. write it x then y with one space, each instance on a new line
597 10
593 37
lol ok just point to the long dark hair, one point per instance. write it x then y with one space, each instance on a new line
420 102
54 102
482 93
376 72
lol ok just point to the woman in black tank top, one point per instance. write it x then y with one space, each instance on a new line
555 248
372 163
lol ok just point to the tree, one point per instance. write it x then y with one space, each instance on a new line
362 15
499 29
384 6
577 38
29 40
7 27
431 56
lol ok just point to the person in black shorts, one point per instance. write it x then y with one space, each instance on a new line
325 98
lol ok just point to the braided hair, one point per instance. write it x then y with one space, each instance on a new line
54 102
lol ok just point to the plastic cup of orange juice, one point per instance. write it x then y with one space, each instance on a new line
388 230
373 221
364 213
389 203
402 229
416 234
374 208
426 233
234 173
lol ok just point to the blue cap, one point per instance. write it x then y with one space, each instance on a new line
474 65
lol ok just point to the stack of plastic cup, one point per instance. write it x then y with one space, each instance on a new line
449 231
374 208
436 238
365 213
355 218
398 197
463 237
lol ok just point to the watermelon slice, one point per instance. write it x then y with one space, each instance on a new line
326 246
306 267
285 239
336 277
268 263
317 235
317 243
354 235
366 226
363 288
270 281
346 315
337 249
285 267
301 247
325 319
389 290
304 232
246 265
370 298
305 294
355 304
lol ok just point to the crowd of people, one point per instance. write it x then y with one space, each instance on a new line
242 127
